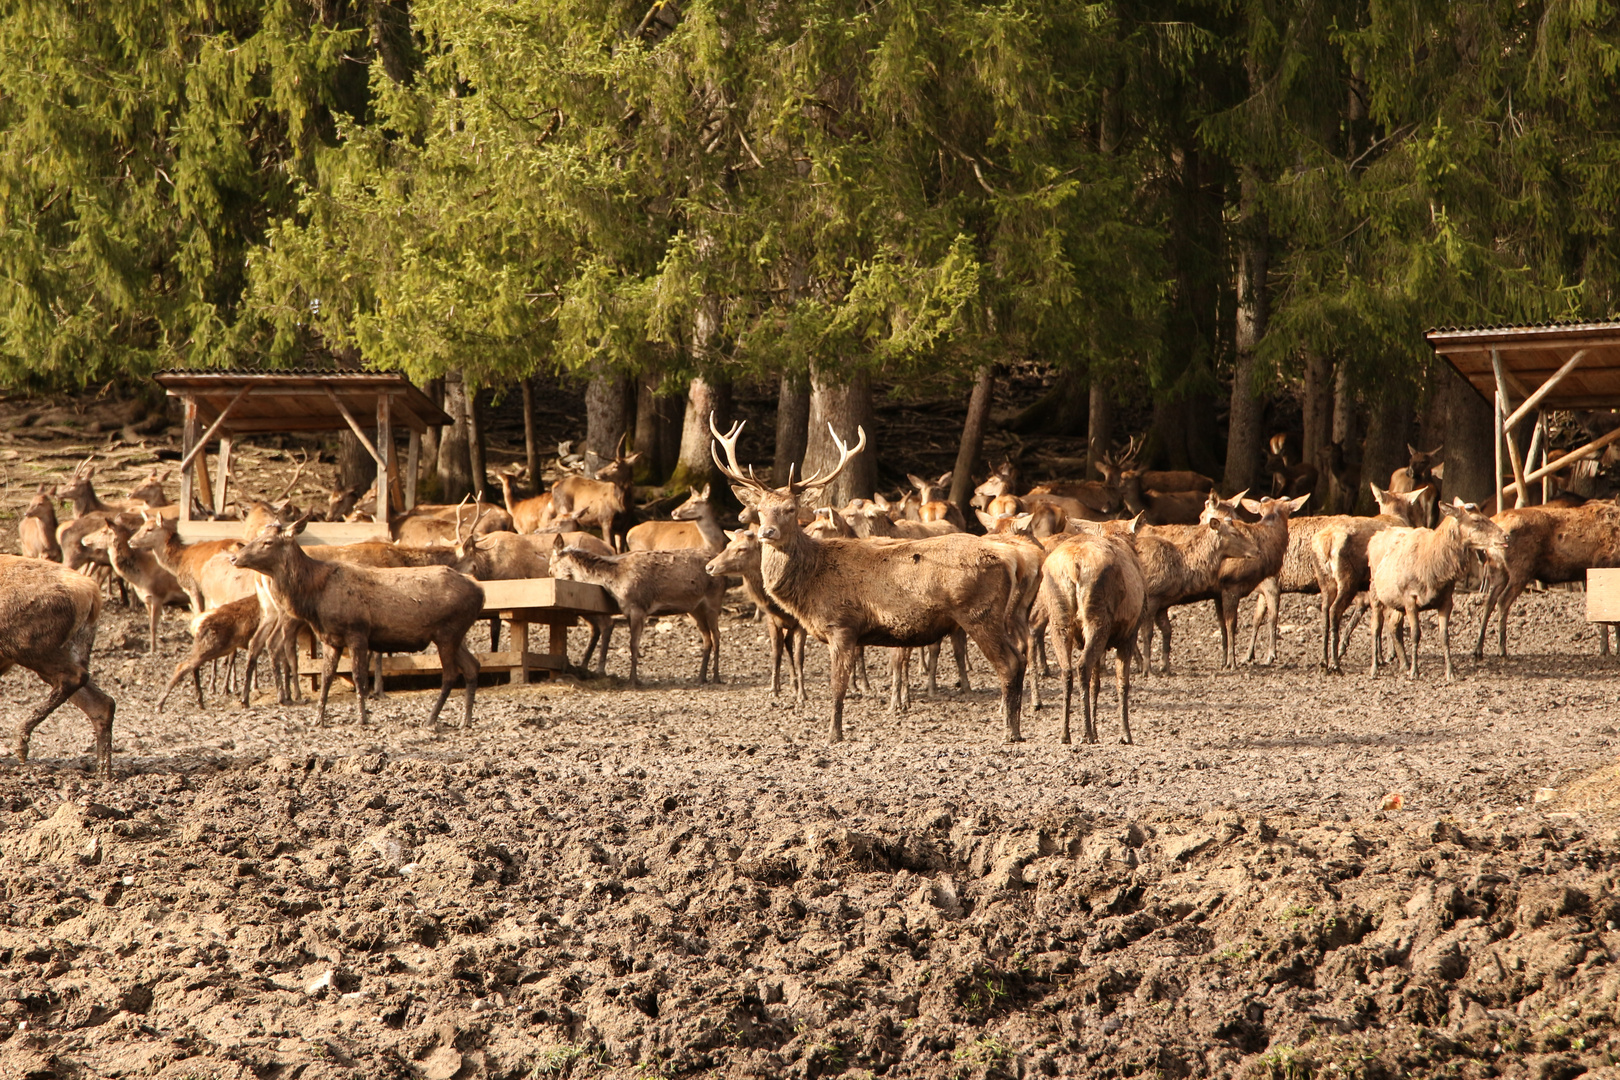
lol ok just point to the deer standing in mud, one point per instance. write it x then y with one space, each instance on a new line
898 594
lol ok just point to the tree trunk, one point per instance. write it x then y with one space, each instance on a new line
606 400
1059 411
1388 432
846 406
356 467
972 448
1318 407
454 465
1346 437
694 466
658 430
1243 434
476 447
428 483
792 427
531 438
1470 453
1100 425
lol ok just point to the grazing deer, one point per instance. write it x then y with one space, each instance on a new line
1339 551
647 583
1093 589
693 526
1551 544
529 514
155 586
930 507
365 610
741 556
1417 570
599 501
215 635
48 620
37 529
898 594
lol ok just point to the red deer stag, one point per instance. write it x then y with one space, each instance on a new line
599 501
897 594
48 625
365 610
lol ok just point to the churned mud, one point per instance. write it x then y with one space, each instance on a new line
683 880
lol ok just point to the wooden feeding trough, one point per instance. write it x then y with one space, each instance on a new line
224 405
519 604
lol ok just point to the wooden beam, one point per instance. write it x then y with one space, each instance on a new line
224 475
413 464
196 448
1512 447
1593 447
354 426
205 490
385 460
188 439
1531 457
1496 445
1544 389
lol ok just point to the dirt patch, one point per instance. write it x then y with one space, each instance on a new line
679 881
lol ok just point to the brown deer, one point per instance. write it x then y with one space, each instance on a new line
155 586
1093 589
741 556
1181 564
1421 471
693 527
37 529
365 610
439 523
647 583
598 502
898 594
1003 481
150 491
217 634
1338 548
1156 506
1417 570
1551 544
48 618
930 507
90 514
207 582
528 514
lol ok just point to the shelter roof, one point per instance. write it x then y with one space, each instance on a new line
299 399
1531 355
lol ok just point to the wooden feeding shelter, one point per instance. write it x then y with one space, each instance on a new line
1525 371
224 405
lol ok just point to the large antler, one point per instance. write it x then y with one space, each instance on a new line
298 472
845 454
734 471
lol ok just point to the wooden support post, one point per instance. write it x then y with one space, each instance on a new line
1496 445
1544 389
413 465
1532 456
188 438
1507 433
387 482
197 448
205 490
518 632
225 443
558 644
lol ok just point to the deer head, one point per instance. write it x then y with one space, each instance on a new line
778 508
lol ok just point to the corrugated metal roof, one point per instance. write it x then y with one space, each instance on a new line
1531 353
296 399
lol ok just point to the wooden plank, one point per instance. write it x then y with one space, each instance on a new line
1603 595
428 663
528 594
316 532
1575 455
1507 433
1529 404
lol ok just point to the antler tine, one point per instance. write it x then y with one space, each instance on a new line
459 505
845 454
732 471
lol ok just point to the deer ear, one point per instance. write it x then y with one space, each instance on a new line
1378 492
706 489
1439 471
1253 506
916 481
747 496
1296 505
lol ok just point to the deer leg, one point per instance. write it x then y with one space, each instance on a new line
959 649
329 664
1261 607
360 652
1164 645
637 619
70 683
897 658
1144 642
775 633
1417 636
931 667
1377 636
98 708
181 670
495 633
843 652
1122 679
800 637
713 615
249 670
1444 615
1064 645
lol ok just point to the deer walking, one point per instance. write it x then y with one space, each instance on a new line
48 618
1094 590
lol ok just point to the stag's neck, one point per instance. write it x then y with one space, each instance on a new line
170 551
1443 552
298 583
790 573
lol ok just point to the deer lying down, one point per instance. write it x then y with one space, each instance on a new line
1417 570
646 583
48 620
741 556
1094 590
692 525
365 610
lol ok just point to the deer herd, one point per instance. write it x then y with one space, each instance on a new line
1093 566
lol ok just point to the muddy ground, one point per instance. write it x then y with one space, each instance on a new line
682 881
